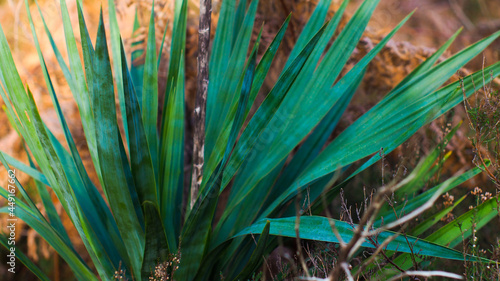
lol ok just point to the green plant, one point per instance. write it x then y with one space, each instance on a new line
142 174
483 117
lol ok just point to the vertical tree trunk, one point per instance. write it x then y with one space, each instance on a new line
201 97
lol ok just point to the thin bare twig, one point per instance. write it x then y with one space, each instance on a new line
201 97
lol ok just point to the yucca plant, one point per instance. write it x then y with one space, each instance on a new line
140 222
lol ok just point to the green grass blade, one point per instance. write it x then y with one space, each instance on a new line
455 233
461 228
423 226
428 166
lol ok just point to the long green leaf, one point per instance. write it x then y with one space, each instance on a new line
315 22
318 138
80 91
300 113
34 132
116 42
391 215
196 231
177 48
267 110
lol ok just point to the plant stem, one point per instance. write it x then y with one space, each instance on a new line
201 97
